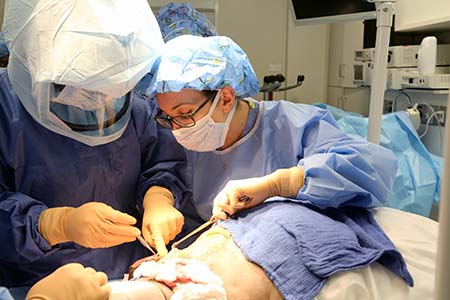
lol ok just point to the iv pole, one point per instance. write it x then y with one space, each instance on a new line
384 10
384 22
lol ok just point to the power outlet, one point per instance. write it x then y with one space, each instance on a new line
441 116
426 113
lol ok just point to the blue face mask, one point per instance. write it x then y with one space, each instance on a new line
206 135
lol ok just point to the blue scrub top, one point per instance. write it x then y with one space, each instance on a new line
339 170
40 169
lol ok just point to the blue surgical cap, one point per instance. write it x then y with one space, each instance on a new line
3 48
204 63
180 19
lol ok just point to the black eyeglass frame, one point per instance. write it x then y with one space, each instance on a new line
168 121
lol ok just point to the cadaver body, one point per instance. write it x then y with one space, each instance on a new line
414 236
217 250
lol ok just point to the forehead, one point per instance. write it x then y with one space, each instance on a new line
172 99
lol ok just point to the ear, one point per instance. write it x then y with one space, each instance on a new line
227 97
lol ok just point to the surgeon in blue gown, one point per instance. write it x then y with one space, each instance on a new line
78 148
242 152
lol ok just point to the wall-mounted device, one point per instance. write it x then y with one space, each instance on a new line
362 73
364 55
402 56
272 83
307 12
426 81
427 55
403 68
399 78
405 56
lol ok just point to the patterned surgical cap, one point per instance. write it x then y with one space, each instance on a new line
180 19
204 63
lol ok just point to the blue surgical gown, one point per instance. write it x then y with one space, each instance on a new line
339 170
4 294
40 169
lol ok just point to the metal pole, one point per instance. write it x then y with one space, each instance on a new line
442 281
378 85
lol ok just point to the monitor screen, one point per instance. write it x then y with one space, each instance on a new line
317 12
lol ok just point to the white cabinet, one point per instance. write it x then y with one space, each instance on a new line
335 75
350 99
422 15
345 38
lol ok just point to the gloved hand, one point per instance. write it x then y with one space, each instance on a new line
245 193
162 221
92 225
71 282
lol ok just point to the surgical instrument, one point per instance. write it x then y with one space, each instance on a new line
145 244
242 199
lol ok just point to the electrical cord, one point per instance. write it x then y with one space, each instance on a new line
433 114
426 126
394 102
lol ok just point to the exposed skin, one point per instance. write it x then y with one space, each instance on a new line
215 247
218 251
187 100
414 236
142 289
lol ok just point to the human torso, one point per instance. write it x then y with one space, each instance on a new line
57 171
273 142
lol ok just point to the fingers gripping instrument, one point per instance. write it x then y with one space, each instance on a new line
211 221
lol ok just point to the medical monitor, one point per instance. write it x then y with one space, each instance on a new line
308 12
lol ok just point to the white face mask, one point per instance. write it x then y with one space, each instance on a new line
206 135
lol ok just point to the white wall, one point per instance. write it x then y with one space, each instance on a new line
259 27
265 30
307 54
2 8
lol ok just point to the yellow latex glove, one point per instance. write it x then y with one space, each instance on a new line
71 282
92 225
162 221
282 182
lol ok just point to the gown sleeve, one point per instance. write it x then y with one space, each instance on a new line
342 170
163 159
19 215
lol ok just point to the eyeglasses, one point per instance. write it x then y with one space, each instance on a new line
184 120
